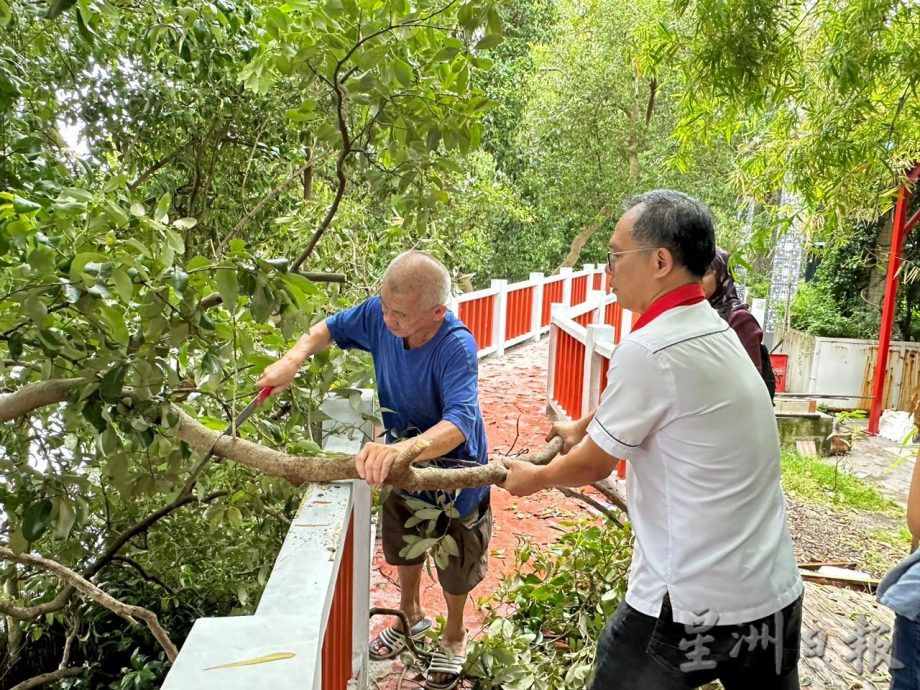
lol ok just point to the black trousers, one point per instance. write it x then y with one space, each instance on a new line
639 652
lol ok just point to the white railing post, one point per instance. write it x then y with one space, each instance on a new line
597 297
537 313
555 310
566 286
361 582
500 315
454 304
594 366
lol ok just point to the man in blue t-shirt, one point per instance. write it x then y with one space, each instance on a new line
427 382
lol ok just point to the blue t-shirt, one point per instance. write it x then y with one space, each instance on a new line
434 382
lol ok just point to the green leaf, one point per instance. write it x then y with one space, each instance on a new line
5 13
418 548
185 223
280 265
112 385
92 412
36 310
137 209
489 41
260 307
79 265
42 259
114 182
115 320
117 468
235 517
403 72
21 205
449 544
228 287
162 209
18 543
116 213
123 284
179 280
36 519
78 194
66 516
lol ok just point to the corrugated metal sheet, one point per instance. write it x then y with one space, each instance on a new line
845 367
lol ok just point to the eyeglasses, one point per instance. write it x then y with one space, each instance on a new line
612 256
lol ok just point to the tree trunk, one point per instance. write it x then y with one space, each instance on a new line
875 293
13 631
586 234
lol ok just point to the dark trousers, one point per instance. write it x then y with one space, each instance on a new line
906 649
639 652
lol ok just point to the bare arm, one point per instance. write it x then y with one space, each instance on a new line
913 505
585 464
280 374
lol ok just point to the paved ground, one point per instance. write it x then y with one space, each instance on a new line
886 464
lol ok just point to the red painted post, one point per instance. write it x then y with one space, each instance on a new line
336 655
889 306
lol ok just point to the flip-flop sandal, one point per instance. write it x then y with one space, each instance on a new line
394 640
447 664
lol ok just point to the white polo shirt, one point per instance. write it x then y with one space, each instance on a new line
688 410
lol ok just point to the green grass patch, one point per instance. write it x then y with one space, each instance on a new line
814 481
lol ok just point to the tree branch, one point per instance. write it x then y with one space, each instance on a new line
92 592
612 494
36 395
650 106
597 505
153 168
143 526
29 613
244 221
50 677
143 573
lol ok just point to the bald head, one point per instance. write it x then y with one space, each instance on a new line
419 273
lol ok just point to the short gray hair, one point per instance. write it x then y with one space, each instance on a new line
419 272
677 222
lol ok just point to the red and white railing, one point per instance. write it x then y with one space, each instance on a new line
505 314
581 342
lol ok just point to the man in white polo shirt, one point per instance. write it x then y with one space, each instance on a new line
714 591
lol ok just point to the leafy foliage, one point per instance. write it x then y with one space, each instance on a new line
819 96
545 620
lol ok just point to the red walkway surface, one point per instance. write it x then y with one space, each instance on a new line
513 399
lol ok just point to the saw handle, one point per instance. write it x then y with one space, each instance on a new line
263 395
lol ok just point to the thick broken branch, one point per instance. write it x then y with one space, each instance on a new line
299 469
35 395
92 592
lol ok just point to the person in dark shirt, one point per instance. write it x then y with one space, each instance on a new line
719 286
